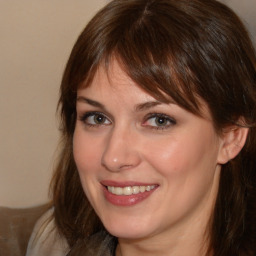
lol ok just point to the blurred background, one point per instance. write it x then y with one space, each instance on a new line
36 38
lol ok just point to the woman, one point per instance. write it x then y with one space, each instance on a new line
158 110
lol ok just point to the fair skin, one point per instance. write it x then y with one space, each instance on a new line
125 140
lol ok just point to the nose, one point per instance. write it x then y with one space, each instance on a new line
121 152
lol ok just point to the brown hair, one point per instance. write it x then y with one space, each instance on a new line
188 49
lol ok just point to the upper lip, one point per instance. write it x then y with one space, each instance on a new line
122 184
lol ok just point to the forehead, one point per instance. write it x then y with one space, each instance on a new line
112 83
113 80
112 75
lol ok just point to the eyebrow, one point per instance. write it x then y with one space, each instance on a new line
147 105
139 107
90 102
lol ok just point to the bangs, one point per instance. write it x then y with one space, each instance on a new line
153 56
162 83
179 50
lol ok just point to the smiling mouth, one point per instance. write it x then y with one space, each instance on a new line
127 193
130 190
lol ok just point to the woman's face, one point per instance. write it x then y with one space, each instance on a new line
147 167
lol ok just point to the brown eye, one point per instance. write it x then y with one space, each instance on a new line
159 121
95 119
99 119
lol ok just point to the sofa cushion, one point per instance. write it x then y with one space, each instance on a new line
16 226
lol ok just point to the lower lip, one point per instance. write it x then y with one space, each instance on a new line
126 200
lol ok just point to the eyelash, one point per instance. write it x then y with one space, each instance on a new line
84 118
166 118
171 121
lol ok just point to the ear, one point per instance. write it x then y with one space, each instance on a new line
233 139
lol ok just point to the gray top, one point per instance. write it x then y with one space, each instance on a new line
45 240
100 244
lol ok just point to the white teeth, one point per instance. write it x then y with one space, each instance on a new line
118 191
142 189
129 190
136 190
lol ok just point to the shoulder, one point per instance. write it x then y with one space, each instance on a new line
45 239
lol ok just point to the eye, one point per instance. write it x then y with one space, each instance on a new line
94 119
159 121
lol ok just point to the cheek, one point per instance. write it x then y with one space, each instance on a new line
183 155
86 151
187 166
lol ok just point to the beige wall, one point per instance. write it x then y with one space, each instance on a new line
36 37
246 9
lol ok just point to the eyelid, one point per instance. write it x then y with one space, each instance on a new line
85 115
93 109
155 115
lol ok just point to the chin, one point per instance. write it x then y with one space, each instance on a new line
128 229
128 234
